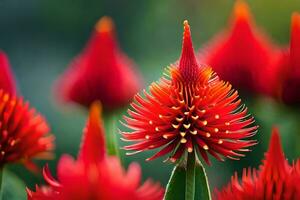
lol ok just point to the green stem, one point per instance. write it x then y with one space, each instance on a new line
190 177
111 139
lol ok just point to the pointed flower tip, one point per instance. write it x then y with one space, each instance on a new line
275 147
188 64
275 139
95 111
295 26
105 24
241 10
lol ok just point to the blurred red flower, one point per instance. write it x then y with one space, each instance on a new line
94 175
275 179
288 67
101 72
190 110
242 55
7 82
24 133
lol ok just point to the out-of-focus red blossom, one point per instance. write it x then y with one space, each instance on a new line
24 133
189 110
101 72
288 67
7 82
242 55
94 175
275 180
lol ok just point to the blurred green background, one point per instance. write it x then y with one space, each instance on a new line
42 37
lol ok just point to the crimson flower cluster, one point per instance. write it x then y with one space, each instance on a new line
7 82
24 133
98 70
190 110
275 179
246 57
94 175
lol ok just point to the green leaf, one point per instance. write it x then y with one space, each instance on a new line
188 183
176 186
13 188
202 191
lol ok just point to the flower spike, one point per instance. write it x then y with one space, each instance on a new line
95 175
93 146
101 72
190 110
188 65
275 179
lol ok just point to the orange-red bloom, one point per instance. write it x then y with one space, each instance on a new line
94 175
275 180
24 133
101 72
190 110
241 55
7 82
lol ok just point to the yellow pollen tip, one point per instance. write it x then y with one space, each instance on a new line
227 123
204 122
194 132
179 119
226 131
216 130
160 116
156 129
195 117
183 140
175 126
186 126
217 116
165 136
186 113
147 137
207 134
150 122
205 147
203 111
182 134
220 141
190 150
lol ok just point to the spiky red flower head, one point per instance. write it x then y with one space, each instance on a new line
242 53
7 82
94 175
275 180
192 110
101 72
289 67
24 133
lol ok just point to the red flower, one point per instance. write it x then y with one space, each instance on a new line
241 55
24 133
94 175
7 82
189 110
101 72
289 67
275 179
